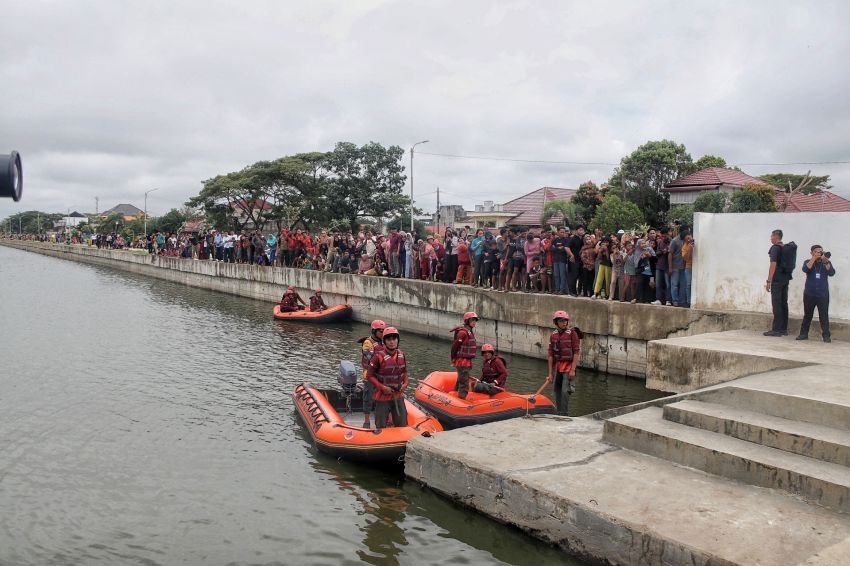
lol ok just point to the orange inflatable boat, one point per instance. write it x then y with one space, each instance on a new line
332 314
333 420
436 394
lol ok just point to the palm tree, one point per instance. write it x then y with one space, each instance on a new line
563 207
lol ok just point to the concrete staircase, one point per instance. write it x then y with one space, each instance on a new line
768 438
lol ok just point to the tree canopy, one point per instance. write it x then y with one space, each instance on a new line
615 213
710 202
782 181
330 188
707 161
753 198
586 199
642 174
567 210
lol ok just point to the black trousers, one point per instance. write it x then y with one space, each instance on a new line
779 302
573 270
809 304
562 393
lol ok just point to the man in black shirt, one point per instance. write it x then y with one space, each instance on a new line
574 261
777 286
560 246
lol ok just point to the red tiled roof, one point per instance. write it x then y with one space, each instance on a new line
246 205
822 201
529 207
715 176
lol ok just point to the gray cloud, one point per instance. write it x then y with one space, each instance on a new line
111 99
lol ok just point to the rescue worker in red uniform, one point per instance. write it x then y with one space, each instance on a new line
370 346
564 354
317 303
388 374
289 301
494 372
463 352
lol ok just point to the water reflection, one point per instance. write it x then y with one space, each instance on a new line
149 422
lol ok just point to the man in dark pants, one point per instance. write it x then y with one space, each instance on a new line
777 286
574 261
816 292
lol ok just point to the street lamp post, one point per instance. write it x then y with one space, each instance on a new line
146 210
411 181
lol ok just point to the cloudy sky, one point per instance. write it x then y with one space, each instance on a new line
110 99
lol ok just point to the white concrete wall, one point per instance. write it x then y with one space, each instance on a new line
731 263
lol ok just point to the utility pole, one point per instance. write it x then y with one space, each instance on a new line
411 180
146 210
96 206
38 221
438 210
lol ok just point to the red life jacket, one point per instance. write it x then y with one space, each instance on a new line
366 355
561 345
390 370
289 300
495 373
468 347
316 303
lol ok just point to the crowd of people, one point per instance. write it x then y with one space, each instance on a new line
654 267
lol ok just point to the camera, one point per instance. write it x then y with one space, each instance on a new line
11 176
827 255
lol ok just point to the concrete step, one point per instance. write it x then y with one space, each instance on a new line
806 405
646 431
806 439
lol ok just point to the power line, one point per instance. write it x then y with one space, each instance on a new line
553 162
515 160
802 163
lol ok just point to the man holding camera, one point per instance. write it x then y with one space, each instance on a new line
816 292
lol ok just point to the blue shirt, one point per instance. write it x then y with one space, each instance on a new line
477 246
817 284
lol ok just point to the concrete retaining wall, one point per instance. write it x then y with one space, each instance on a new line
731 263
616 334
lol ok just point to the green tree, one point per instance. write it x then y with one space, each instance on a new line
586 199
783 180
170 221
711 202
643 173
567 209
367 181
615 213
684 213
754 198
707 161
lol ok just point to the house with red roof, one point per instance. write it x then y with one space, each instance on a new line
685 190
528 208
718 179
821 201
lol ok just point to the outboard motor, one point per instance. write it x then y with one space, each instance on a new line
348 377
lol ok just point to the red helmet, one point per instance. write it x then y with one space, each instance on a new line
469 316
560 314
390 331
378 325
488 348
318 290
291 288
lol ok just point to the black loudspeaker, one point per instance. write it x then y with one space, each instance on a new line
11 176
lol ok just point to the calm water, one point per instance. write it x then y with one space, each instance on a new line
144 422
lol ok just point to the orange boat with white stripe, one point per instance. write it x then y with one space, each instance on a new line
333 420
436 393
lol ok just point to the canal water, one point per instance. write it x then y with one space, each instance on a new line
145 422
